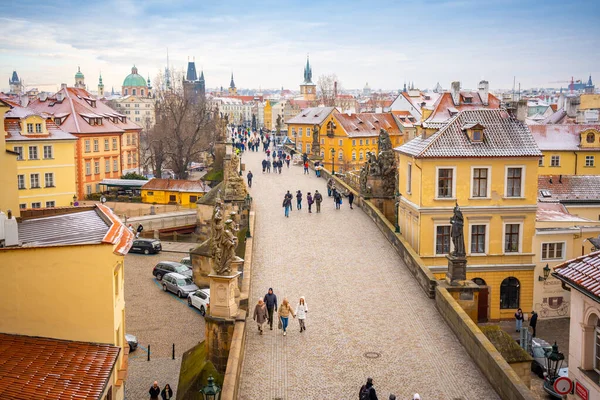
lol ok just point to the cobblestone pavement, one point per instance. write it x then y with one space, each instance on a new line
159 319
361 299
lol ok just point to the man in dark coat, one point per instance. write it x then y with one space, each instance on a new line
533 321
367 391
154 391
271 302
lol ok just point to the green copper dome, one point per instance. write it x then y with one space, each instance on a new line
134 79
79 74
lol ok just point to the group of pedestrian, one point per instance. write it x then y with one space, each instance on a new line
166 393
519 317
367 392
310 199
266 307
337 195
137 231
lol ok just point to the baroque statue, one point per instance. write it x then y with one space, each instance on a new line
457 232
380 166
223 240
316 144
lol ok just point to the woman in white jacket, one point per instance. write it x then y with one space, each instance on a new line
301 310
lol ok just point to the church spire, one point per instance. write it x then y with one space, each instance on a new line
232 83
307 72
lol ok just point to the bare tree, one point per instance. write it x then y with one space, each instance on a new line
328 87
185 128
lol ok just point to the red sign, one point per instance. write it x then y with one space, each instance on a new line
563 385
581 391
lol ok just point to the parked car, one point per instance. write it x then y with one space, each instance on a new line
200 299
540 350
186 261
179 284
146 246
132 340
164 267
549 386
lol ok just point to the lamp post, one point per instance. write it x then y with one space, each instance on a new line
248 203
211 391
546 274
553 365
332 161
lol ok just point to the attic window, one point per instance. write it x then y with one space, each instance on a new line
91 102
477 136
51 104
468 100
545 193
590 138
58 121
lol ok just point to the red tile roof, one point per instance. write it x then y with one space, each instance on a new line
118 234
176 185
367 124
441 111
569 188
582 273
40 368
76 104
562 136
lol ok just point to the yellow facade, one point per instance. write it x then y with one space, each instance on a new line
589 101
423 216
45 168
570 163
184 199
268 112
9 199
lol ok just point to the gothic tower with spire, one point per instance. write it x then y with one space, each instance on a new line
16 85
100 87
232 88
192 86
308 89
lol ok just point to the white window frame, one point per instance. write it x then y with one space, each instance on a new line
564 249
409 178
437 181
37 154
107 166
557 158
20 152
435 226
115 165
50 152
51 204
541 161
523 175
87 148
353 142
96 167
509 222
341 155
590 158
88 168
353 155
487 238
307 148
51 180
31 181
88 189
300 132
340 142
21 177
36 204
489 182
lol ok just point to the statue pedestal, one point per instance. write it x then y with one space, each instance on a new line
466 294
202 264
457 269
222 295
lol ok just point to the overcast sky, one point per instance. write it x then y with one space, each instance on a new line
265 44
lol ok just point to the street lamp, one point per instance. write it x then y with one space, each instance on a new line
554 363
211 391
546 274
248 203
332 161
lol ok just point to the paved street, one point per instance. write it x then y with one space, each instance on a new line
159 319
360 298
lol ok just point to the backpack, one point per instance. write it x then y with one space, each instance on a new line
365 393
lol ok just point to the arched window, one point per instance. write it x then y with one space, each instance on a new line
353 155
509 293
360 155
340 155
590 137
323 153
133 92
142 92
126 92
479 281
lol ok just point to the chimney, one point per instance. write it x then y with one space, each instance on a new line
63 86
43 96
484 88
60 96
572 106
455 92
522 110
24 100
335 90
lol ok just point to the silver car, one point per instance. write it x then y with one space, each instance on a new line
179 284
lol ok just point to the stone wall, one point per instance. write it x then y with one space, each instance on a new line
499 373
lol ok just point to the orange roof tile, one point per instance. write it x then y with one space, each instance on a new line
367 124
34 368
443 106
118 234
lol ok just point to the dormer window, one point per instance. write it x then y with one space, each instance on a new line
474 131
590 138
58 121
477 136
468 100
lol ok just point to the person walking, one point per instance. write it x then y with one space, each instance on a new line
271 303
264 165
268 166
167 392
318 200
367 391
533 321
350 199
306 167
140 228
287 160
310 201
519 319
416 396
392 397
299 200
284 314
260 314
280 164
337 198
287 203
249 176
301 310
329 186
154 391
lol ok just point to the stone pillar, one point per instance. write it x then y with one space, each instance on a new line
457 269
222 295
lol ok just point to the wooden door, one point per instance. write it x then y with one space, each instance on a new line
483 306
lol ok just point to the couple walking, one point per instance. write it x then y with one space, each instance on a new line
264 310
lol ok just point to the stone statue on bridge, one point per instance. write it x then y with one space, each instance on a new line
378 176
457 232
316 144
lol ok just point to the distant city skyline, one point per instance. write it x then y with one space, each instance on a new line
265 44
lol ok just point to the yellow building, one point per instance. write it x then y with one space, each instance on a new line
173 191
268 115
9 200
559 236
568 149
487 163
300 127
46 160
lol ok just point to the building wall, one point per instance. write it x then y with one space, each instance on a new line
589 211
129 151
139 110
89 182
268 116
164 197
570 163
9 197
585 313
